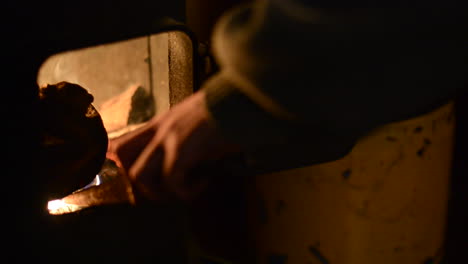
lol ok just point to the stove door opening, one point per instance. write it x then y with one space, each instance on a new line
131 81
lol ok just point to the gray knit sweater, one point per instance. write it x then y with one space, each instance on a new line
319 79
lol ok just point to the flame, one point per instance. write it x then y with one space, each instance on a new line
54 205
58 207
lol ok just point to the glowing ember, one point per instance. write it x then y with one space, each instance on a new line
108 187
58 207
55 204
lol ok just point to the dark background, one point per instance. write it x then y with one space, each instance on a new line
31 32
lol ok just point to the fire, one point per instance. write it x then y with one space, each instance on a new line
58 207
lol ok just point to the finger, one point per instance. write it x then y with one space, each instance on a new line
152 123
175 164
145 173
126 149
180 157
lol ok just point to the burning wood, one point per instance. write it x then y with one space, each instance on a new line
133 106
111 187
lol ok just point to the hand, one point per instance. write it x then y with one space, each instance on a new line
158 157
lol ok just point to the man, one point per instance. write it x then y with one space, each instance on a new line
291 73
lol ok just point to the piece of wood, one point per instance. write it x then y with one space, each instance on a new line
135 105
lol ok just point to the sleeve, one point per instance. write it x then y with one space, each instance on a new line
254 98
296 74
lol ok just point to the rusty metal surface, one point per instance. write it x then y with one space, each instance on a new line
386 202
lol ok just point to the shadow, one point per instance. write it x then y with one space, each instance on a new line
457 231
